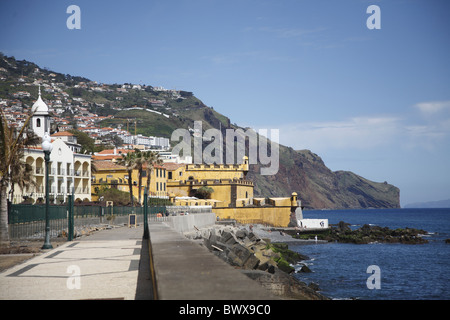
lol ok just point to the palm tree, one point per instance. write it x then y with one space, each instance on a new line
128 160
139 165
22 176
151 159
12 144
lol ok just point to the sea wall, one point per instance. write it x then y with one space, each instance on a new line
191 222
268 264
275 216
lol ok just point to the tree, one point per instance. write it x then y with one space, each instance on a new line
147 160
128 160
12 144
21 175
120 198
139 161
204 192
86 142
151 160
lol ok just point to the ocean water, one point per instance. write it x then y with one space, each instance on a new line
406 272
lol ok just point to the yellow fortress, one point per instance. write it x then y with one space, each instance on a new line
230 193
232 196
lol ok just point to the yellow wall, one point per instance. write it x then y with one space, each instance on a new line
208 172
222 191
104 176
221 178
197 202
273 216
177 175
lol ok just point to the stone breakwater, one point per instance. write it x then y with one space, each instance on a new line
367 234
268 263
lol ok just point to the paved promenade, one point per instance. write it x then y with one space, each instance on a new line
186 271
115 264
107 263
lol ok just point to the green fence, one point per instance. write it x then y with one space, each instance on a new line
120 211
22 213
28 221
94 211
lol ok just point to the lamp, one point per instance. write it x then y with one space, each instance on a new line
47 147
47 144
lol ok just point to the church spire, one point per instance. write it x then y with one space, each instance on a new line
41 116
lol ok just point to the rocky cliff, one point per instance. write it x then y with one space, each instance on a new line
318 187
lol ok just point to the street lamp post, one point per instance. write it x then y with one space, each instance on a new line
47 147
146 234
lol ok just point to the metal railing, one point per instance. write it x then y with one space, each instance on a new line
28 221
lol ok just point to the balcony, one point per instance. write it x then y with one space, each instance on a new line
82 190
60 190
81 174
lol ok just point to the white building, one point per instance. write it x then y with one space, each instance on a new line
68 170
169 157
147 142
313 223
69 139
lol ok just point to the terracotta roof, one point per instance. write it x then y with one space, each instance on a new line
172 166
62 134
105 165
111 151
107 157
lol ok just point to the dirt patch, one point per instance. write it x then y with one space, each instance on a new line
7 261
20 251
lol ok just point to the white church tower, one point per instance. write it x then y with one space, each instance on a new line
41 118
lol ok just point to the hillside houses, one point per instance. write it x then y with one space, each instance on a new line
73 104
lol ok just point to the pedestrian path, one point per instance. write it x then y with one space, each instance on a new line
104 265
184 270
116 264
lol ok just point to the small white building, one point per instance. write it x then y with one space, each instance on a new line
313 223
69 139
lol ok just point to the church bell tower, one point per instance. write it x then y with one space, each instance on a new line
41 117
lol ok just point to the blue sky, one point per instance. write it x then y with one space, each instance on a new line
375 102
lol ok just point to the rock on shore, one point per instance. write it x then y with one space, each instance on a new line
368 234
263 261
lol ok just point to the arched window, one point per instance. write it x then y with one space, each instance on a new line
38 123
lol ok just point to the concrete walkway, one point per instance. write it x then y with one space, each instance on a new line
107 263
115 264
187 271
